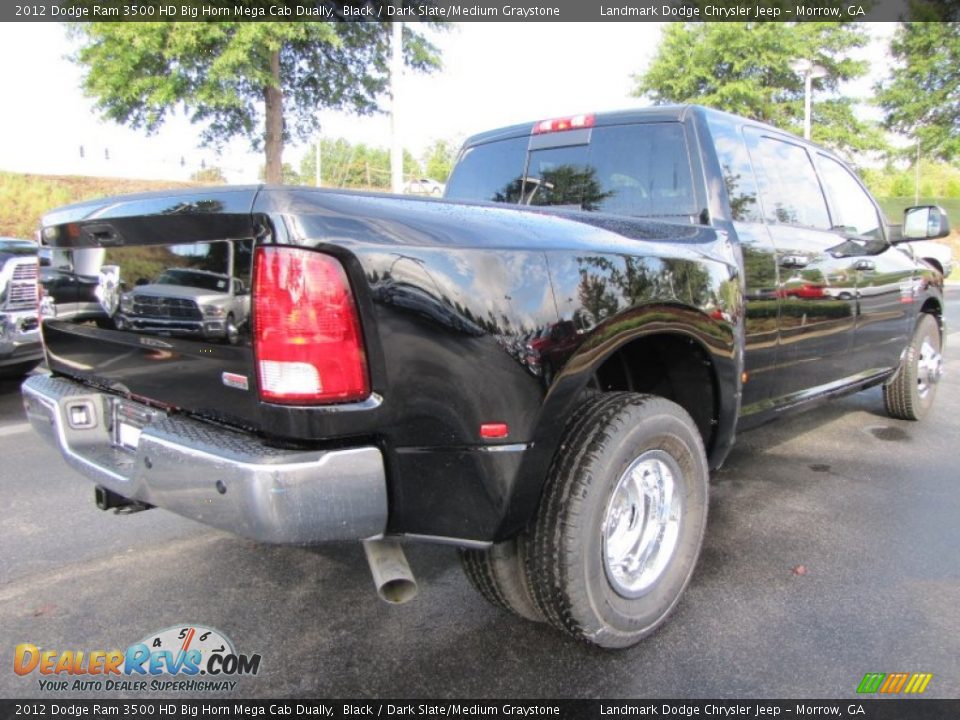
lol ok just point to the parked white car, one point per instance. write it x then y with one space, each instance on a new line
423 186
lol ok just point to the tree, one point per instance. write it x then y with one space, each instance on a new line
261 80
921 98
345 165
210 175
744 68
288 175
438 160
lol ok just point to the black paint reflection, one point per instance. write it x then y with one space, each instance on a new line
195 290
421 302
187 303
563 185
70 282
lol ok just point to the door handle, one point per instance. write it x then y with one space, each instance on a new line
793 261
866 265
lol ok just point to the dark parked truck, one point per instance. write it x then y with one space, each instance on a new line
540 369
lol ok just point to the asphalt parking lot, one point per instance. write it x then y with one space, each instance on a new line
831 551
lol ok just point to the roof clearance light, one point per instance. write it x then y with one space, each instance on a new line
576 122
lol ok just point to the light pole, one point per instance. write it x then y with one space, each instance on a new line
396 70
916 182
319 179
808 70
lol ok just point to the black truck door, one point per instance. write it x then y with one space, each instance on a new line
761 313
817 288
884 273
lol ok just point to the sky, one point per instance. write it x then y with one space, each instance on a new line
494 74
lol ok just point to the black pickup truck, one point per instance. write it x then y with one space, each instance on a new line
540 368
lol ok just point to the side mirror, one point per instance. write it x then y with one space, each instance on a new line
925 222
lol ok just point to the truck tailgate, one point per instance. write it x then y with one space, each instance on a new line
168 318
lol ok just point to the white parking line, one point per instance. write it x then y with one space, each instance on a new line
15 429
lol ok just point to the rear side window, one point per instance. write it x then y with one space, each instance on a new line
789 190
641 169
484 170
737 171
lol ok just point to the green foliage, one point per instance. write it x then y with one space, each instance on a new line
209 176
289 175
787 308
345 165
936 180
893 207
143 262
902 185
744 68
439 159
221 74
921 98
25 198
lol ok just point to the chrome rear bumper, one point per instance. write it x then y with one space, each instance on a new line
219 477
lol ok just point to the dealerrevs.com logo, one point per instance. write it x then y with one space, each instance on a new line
187 658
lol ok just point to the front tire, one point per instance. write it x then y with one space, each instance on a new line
910 394
621 523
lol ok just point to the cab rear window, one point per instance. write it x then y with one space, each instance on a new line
640 169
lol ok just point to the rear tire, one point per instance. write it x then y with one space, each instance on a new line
911 392
621 522
498 574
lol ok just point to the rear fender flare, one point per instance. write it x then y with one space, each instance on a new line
716 338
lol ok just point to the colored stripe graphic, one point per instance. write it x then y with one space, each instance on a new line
894 683
918 682
871 682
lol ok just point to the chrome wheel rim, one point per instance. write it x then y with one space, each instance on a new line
929 367
641 525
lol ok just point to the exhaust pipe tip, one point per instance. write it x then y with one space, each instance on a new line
391 573
398 592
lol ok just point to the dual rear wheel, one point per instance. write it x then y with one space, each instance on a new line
618 530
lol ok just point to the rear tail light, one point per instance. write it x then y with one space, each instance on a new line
307 339
560 124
